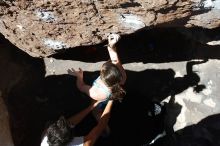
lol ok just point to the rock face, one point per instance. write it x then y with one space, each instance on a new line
5 136
40 28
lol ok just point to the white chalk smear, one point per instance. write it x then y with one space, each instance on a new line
208 4
214 4
56 45
46 15
131 21
20 27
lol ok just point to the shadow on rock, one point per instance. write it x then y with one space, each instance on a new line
204 133
156 45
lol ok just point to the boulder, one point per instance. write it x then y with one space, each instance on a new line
43 27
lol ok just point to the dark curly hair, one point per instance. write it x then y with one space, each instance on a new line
59 133
111 76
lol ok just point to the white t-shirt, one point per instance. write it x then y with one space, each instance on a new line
76 141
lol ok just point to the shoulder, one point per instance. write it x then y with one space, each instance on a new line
97 93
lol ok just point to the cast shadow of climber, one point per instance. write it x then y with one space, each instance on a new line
154 45
173 109
159 84
130 119
191 79
143 87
